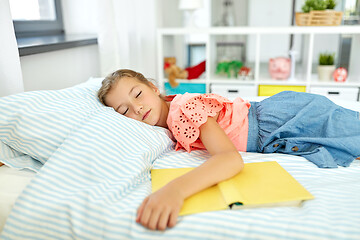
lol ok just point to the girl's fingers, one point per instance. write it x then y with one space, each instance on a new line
140 210
173 218
163 220
153 219
145 216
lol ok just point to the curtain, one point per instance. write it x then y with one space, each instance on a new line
10 70
127 36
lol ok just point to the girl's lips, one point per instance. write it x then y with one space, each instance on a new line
146 115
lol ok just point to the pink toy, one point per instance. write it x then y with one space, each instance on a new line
279 67
340 75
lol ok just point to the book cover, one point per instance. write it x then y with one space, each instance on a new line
260 184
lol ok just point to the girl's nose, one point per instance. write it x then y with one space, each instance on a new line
138 108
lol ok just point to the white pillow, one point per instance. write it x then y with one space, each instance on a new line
33 125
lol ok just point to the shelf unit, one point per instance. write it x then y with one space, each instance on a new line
308 79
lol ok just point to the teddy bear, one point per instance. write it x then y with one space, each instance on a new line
174 72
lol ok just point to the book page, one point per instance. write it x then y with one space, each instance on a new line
263 183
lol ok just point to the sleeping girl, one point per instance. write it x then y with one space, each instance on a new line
294 123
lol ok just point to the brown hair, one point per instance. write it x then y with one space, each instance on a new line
114 77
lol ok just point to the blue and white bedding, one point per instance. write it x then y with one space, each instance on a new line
97 173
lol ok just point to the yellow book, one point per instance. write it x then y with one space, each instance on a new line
260 184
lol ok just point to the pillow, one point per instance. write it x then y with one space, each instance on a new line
33 125
17 159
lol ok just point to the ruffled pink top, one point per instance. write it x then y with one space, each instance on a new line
189 111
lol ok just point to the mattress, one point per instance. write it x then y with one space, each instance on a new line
12 184
94 181
333 214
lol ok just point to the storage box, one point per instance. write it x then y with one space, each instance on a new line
343 93
232 91
185 87
319 18
269 90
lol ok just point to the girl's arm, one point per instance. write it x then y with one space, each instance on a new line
160 209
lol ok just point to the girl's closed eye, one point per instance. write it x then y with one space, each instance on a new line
138 95
124 113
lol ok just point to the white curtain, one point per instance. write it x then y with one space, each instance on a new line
10 70
127 36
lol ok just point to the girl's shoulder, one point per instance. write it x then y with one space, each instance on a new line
181 99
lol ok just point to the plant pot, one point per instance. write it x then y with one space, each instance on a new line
325 72
319 18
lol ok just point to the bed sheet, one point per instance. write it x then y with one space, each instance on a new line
92 184
13 182
58 205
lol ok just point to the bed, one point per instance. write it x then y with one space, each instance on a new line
97 173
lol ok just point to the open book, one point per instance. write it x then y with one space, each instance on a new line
260 184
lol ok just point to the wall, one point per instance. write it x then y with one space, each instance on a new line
65 68
278 13
10 72
80 16
60 69
240 12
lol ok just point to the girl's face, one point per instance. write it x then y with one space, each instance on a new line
138 101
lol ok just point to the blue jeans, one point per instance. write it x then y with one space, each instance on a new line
305 124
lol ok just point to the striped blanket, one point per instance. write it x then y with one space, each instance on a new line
99 172
78 196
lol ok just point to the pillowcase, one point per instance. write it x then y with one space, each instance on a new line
33 125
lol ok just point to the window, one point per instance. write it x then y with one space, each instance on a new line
36 17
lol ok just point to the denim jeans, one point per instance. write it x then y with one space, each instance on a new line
305 124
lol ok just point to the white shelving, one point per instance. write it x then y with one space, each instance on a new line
305 76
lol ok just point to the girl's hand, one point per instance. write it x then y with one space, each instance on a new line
160 209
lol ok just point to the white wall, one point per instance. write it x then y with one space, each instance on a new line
10 72
68 67
274 13
354 70
240 11
80 16
278 13
60 69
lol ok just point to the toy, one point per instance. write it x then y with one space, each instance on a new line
340 74
279 68
229 67
245 72
173 71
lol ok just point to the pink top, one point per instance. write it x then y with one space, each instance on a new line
189 111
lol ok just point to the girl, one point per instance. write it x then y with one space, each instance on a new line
294 123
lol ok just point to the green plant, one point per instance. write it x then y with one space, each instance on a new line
310 5
326 58
231 67
330 4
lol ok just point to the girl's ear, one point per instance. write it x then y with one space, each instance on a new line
156 90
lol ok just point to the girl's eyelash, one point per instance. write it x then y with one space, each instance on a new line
136 97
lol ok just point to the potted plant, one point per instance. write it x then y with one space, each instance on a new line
326 66
311 5
318 13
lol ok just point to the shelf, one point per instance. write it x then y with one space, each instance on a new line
258 53
200 80
262 30
315 82
334 84
281 82
231 81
